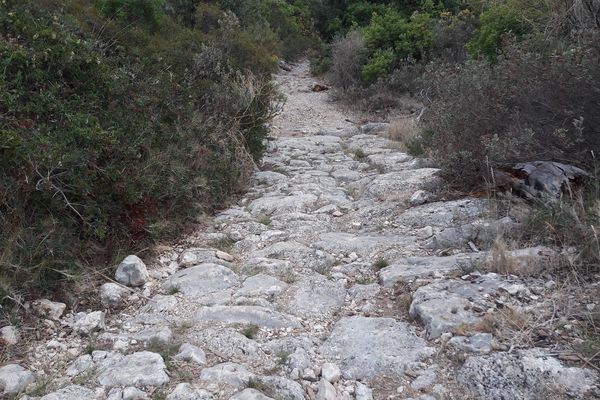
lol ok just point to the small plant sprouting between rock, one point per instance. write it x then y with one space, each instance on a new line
251 331
282 357
166 350
265 220
160 395
380 264
360 154
258 385
173 289
224 244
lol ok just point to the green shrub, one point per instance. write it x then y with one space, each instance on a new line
348 56
147 11
529 106
512 17
115 131
379 64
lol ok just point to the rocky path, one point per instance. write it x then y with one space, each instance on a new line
337 276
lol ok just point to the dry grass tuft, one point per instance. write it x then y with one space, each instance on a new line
403 130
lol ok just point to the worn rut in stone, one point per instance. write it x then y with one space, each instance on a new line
324 282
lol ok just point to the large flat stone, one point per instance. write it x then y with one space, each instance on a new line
202 280
408 269
73 392
298 254
527 374
400 185
138 369
14 379
262 285
371 347
280 204
254 315
447 304
313 297
228 343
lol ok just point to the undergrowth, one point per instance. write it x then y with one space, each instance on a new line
120 120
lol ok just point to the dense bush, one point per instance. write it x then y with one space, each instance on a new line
530 106
117 124
348 55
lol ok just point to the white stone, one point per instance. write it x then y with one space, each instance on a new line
14 379
326 391
224 256
112 295
419 197
137 369
49 309
331 372
250 394
185 391
363 392
9 335
188 352
73 392
230 374
132 272
87 323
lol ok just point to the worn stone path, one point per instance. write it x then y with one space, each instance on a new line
337 276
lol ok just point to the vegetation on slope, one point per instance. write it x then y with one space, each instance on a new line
120 120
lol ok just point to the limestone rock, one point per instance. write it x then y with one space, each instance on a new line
478 343
262 285
231 374
128 393
313 296
229 343
523 375
449 303
14 379
298 361
419 197
326 391
138 369
86 323
202 280
185 391
9 335
132 272
49 309
73 392
250 394
253 315
363 392
331 372
191 353
112 295
369 347
283 388
196 256
407 269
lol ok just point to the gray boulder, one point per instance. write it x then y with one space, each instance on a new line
250 394
253 315
139 369
527 374
202 280
112 295
73 392
132 272
185 391
370 347
14 379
